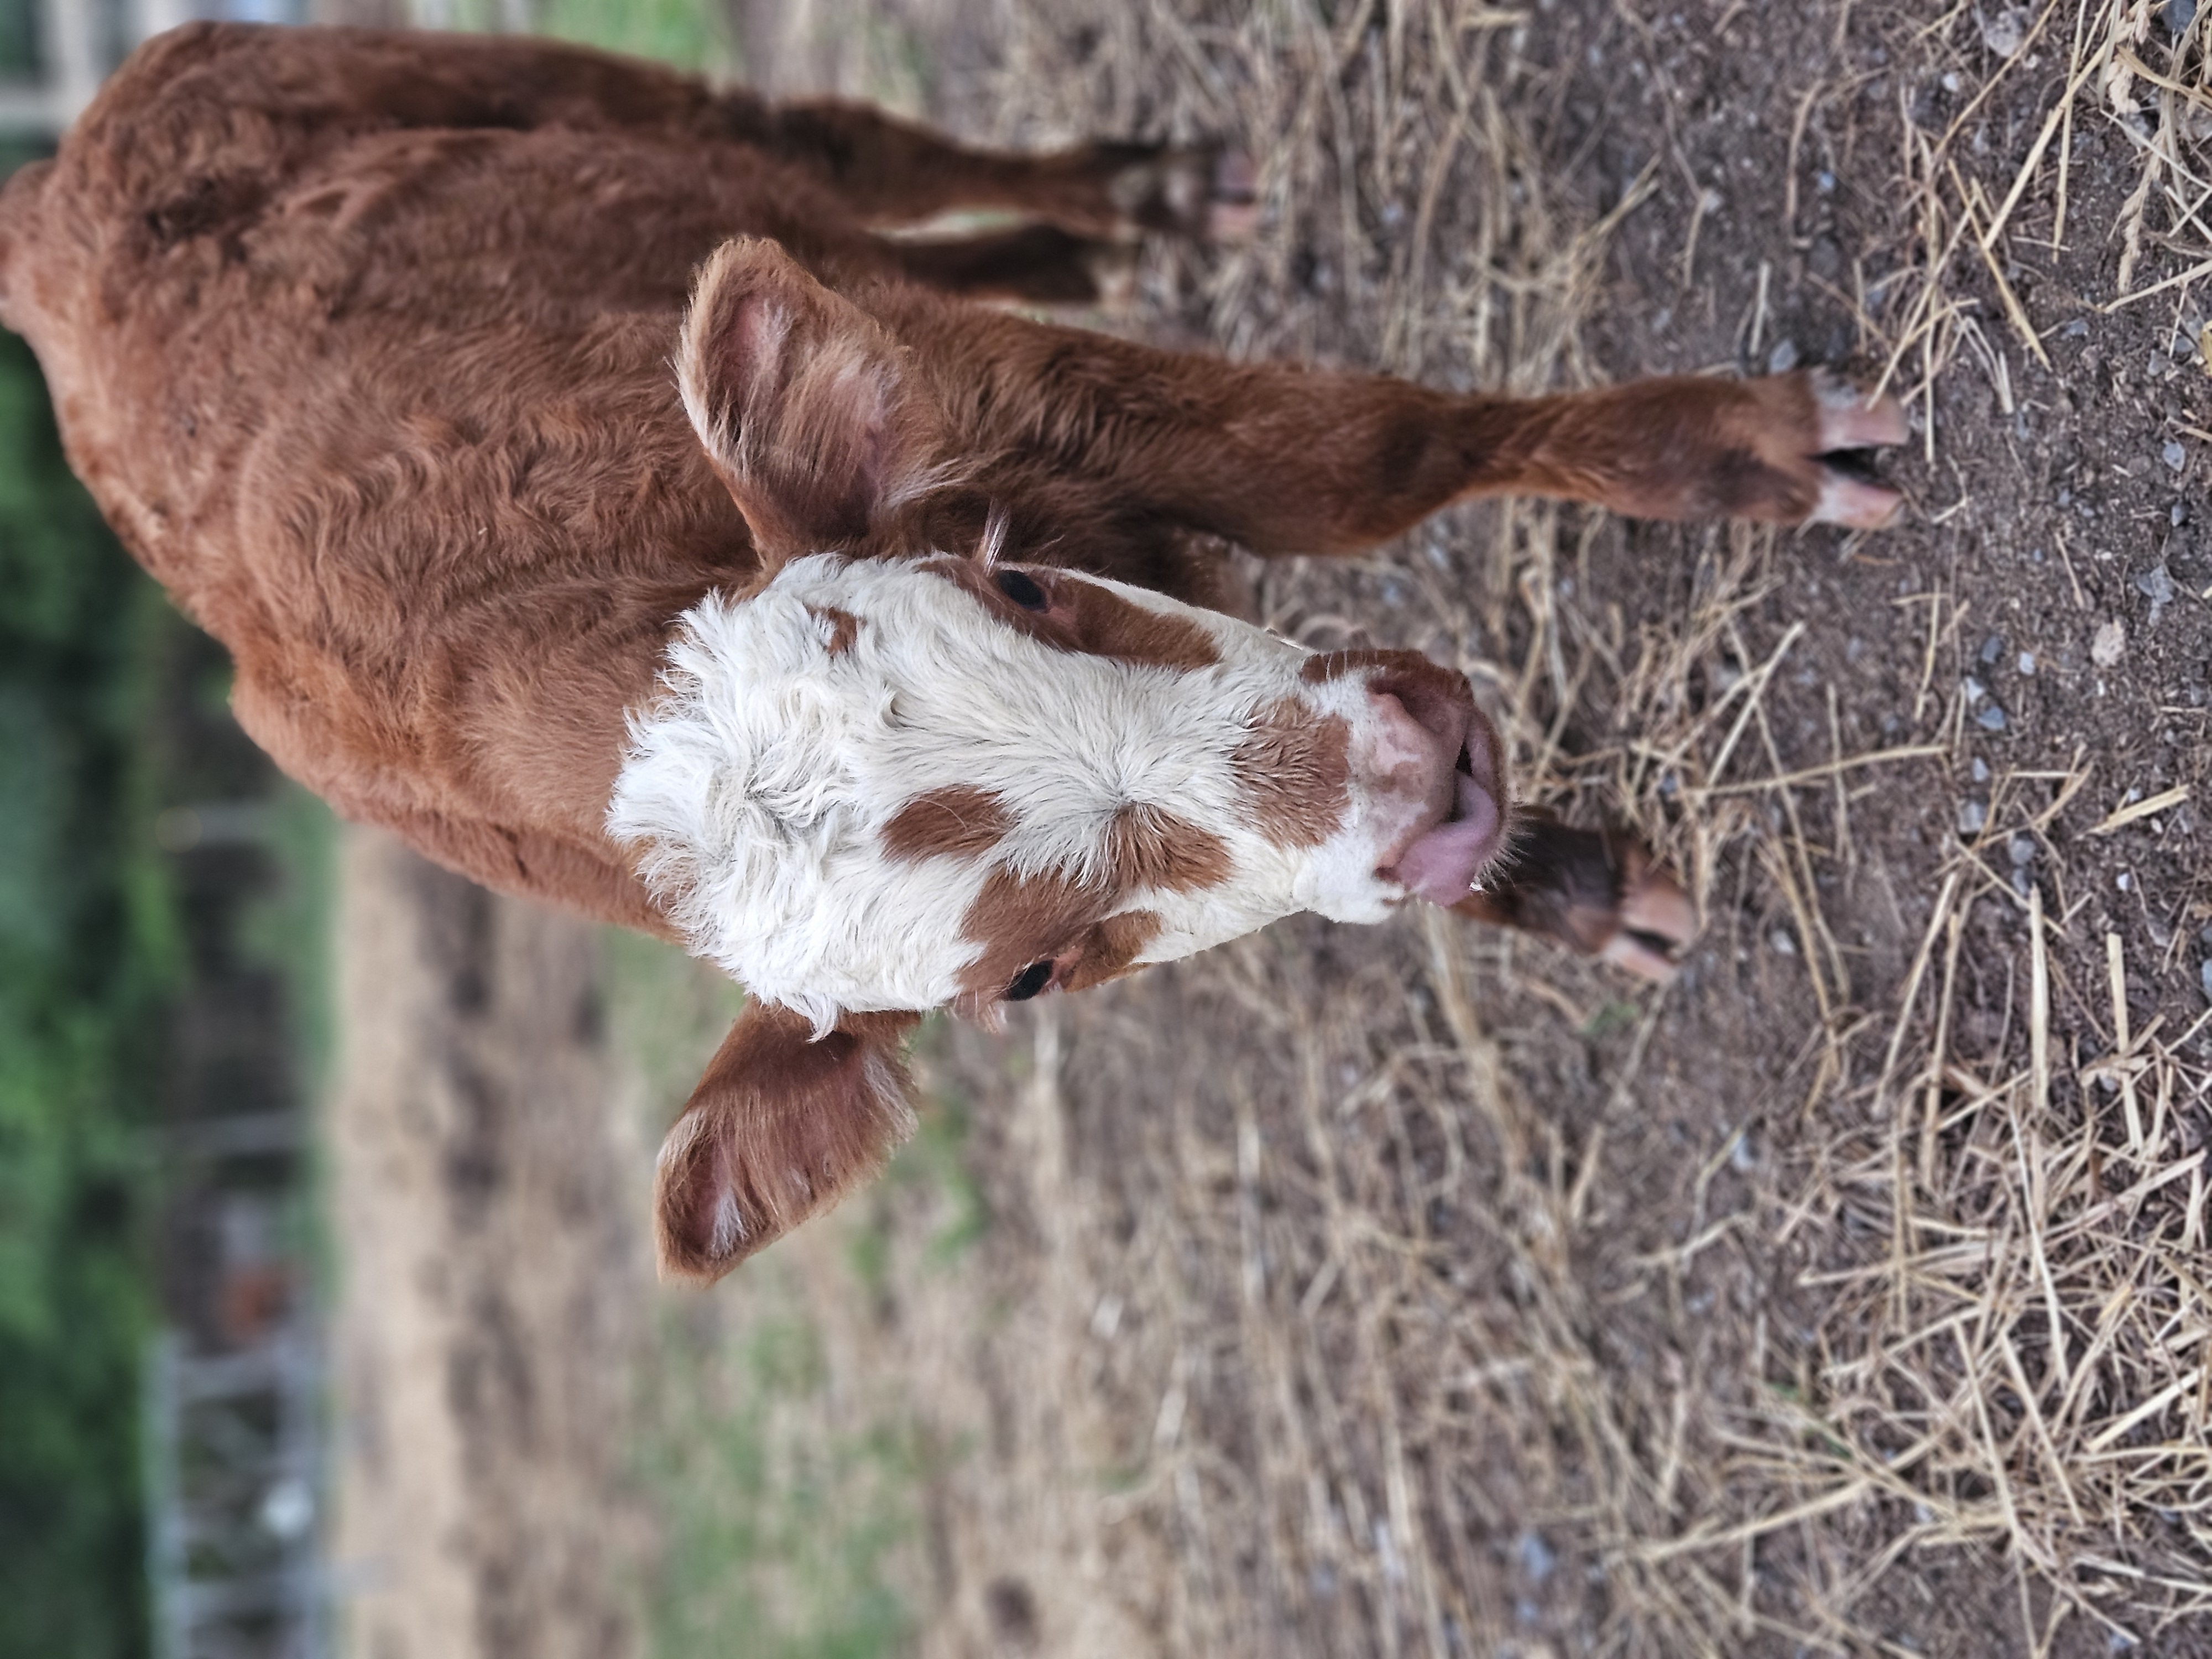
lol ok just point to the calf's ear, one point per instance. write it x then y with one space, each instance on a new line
807 405
779 1128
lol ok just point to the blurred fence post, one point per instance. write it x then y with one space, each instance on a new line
234 1462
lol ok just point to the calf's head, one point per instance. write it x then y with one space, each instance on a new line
890 778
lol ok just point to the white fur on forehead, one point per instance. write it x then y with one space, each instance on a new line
759 786
745 785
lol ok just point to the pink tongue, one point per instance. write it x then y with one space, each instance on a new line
1441 864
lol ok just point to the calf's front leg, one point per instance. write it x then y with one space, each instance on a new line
1293 461
1334 464
1597 892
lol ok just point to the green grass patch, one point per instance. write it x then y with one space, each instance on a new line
689 34
666 1015
934 1165
289 928
777 1531
780 1512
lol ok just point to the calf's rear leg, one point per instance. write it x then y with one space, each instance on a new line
890 171
1037 265
885 170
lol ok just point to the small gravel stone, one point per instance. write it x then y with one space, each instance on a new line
2110 644
1972 815
2156 585
2021 849
1979 769
2027 662
1992 648
2204 978
2179 14
1973 691
1991 719
1783 358
2003 31
1537 1559
2174 455
1783 945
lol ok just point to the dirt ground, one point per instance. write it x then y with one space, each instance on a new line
486 1212
1418 1289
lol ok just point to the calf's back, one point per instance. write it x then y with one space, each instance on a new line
389 410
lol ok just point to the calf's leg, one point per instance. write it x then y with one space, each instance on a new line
1037 265
320 83
1600 893
892 172
1287 459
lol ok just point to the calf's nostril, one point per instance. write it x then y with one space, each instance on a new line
1431 700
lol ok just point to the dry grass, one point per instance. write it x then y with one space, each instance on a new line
1413 1290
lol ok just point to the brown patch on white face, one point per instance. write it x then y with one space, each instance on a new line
1111 950
957 820
1022 920
1108 625
840 628
1294 772
1086 617
1148 845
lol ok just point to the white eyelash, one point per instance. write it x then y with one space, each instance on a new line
996 527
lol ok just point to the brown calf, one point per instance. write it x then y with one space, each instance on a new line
865 651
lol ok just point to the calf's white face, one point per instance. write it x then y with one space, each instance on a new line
907 784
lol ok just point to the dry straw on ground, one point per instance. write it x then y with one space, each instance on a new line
1419 1290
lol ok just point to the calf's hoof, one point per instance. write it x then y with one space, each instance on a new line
1208 193
1600 893
1791 449
1814 434
1847 426
1652 917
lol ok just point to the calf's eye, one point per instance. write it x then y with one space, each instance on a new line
1031 981
1021 590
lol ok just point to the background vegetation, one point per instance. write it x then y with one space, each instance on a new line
86 948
